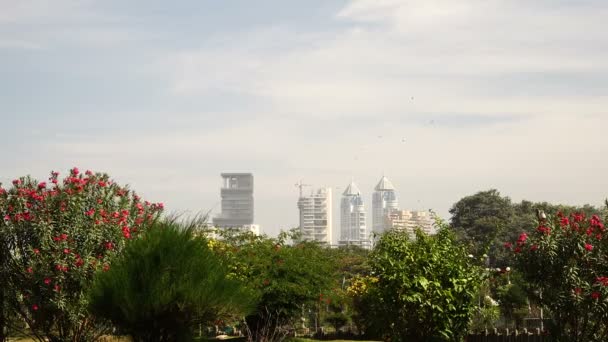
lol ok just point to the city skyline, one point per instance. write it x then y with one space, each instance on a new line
447 98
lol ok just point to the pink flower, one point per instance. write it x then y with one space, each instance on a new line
75 171
47 280
36 251
88 172
17 182
66 251
41 185
588 247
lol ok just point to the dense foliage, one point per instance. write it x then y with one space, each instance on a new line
289 279
164 284
425 287
54 236
486 219
565 264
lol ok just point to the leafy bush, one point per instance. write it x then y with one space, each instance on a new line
425 287
565 263
289 279
54 236
164 284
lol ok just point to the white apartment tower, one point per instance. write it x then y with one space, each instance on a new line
237 202
384 200
316 216
353 230
408 221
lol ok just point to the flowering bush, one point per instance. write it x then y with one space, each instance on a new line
565 263
54 236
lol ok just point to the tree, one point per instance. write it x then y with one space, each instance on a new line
481 218
564 262
164 284
288 279
425 287
54 238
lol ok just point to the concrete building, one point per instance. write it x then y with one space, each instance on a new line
384 200
316 216
353 228
237 202
406 220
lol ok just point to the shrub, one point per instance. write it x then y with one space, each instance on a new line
565 263
164 284
425 287
54 236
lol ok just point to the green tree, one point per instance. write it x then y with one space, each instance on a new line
164 284
55 235
480 219
288 279
564 262
425 287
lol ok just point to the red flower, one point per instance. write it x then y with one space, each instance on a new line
517 249
66 251
35 307
47 280
602 280
79 262
578 291
534 247
90 212
564 221
595 295
75 171
508 245
588 247
109 245
41 185
544 230
30 270
57 288
522 238
88 173
7 217
17 182
36 251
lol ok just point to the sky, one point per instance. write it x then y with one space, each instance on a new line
444 97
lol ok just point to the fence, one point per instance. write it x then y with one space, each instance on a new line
507 335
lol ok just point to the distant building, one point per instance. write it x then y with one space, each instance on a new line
353 229
237 202
408 221
316 216
384 200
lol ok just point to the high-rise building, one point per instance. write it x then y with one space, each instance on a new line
237 202
316 216
405 220
384 200
353 228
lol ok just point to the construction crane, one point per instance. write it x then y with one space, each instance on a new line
301 185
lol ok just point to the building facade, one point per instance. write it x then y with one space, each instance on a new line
316 216
408 221
384 200
353 227
237 209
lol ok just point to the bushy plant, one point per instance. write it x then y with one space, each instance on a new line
565 263
54 236
289 279
425 288
164 284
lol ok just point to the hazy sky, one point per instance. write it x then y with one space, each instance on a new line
444 97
